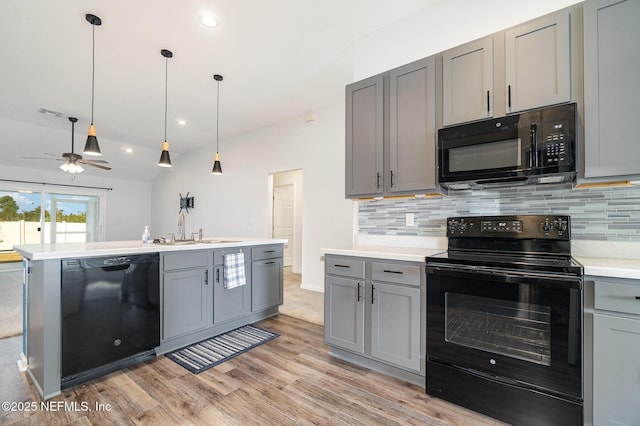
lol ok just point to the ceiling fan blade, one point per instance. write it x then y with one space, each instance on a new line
44 158
92 164
96 161
53 155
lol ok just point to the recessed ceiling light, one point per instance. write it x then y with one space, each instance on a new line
208 20
181 122
128 150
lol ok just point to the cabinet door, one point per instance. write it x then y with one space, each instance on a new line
364 138
266 285
231 303
344 313
611 89
412 126
184 302
467 82
395 324
538 63
616 370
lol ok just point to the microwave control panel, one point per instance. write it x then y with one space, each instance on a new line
555 145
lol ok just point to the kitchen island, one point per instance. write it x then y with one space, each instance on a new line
187 288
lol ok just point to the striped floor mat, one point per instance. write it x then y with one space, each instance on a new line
211 352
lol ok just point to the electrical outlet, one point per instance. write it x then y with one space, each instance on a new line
409 219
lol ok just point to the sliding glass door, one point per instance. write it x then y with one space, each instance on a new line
31 215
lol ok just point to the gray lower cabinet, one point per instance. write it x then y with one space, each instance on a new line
195 304
374 311
266 274
344 313
616 344
611 89
230 303
185 293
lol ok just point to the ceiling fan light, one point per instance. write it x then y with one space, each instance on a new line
92 147
75 168
64 167
165 159
217 167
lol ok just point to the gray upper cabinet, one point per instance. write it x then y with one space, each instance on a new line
412 137
364 137
525 67
538 62
611 88
390 132
467 82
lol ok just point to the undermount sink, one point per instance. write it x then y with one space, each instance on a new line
187 242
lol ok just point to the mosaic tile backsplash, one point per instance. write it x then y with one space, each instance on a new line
610 213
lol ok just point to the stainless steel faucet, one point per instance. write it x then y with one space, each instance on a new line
182 226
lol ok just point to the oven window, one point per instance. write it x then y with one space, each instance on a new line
486 156
516 329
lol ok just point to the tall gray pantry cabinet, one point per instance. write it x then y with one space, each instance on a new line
611 88
390 132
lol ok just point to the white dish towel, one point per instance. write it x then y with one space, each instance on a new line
234 275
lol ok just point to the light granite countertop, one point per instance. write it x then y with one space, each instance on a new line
593 266
111 248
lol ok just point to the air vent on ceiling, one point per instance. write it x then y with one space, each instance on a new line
50 112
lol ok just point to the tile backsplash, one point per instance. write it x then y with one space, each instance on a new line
609 213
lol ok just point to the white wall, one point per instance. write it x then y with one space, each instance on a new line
237 202
128 204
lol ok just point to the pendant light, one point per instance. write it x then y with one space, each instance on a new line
71 165
217 167
165 160
92 147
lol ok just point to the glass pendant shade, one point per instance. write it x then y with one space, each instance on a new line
165 159
92 147
217 167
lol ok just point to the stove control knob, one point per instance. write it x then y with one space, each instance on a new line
463 227
547 227
453 226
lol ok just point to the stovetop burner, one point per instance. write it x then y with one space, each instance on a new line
528 242
553 263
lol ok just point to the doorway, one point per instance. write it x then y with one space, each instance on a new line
286 214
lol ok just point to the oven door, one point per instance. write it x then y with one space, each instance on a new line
522 328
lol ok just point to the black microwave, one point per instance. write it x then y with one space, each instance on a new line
537 146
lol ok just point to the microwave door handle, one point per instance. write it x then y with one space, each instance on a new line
533 135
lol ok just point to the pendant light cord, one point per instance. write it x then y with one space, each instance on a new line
166 79
218 118
93 68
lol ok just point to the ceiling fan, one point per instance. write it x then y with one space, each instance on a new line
72 161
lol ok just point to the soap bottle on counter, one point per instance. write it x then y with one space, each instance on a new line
146 235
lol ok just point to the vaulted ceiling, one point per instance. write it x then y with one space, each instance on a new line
280 59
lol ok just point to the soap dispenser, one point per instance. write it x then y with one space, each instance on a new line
146 235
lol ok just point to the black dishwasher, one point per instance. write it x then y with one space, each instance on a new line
110 309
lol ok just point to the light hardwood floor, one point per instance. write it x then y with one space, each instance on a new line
289 380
